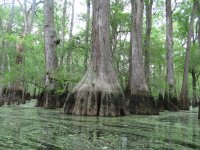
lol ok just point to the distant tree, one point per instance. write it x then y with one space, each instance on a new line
183 98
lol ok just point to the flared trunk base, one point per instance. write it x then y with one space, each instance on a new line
143 105
161 103
171 103
95 103
51 100
184 103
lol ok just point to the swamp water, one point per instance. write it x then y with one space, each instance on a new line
28 128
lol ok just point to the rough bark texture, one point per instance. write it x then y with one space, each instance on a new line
87 33
50 54
148 4
98 93
171 102
143 105
169 47
183 98
140 99
160 102
194 88
138 82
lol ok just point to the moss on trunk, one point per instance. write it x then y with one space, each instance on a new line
94 100
143 105
171 102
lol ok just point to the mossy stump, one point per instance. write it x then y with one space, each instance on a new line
143 105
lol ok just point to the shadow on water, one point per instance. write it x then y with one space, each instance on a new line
25 127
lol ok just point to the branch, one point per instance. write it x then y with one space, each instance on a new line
174 6
20 4
35 6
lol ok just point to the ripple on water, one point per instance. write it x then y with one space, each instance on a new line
26 127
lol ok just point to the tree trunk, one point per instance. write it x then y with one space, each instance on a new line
140 102
183 98
169 48
50 54
128 84
87 33
138 85
69 57
63 31
198 8
194 85
171 101
148 4
98 93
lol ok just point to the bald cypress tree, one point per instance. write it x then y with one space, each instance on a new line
98 93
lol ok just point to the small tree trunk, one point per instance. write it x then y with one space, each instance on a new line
194 97
148 4
3 57
98 93
198 6
69 58
63 31
128 84
50 54
169 48
183 98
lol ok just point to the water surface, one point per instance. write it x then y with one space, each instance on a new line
28 128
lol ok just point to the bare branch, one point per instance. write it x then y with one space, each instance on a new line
30 9
175 6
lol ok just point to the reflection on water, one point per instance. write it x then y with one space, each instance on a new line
27 128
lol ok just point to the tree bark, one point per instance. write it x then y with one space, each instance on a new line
138 81
87 33
169 48
148 4
98 93
183 98
63 31
198 12
50 54
69 57
170 101
194 86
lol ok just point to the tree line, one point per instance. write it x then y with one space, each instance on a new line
120 63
